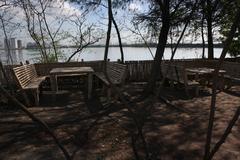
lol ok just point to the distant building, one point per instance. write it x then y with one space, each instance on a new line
31 45
10 43
6 43
1 45
19 44
13 43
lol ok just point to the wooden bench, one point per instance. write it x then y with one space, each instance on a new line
28 79
177 73
117 74
232 76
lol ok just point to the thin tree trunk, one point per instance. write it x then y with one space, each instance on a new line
203 40
133 142
80 49
178 42
108 35
214 88
6 38
119 39
112 86
36 120
162 40
6 78
42 37
209 28
31 29
145 42
53 42
74 53
225 134
49 32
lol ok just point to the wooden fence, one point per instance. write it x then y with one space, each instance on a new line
137 70
10 75
232 69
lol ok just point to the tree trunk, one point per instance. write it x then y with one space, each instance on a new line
6 39
162 41
227 131
209 28
42 39
202 35
114 88
214 88
119 39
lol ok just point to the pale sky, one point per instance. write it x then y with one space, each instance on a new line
61 9
66 9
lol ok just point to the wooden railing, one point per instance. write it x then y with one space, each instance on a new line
232 69
136 70
10 75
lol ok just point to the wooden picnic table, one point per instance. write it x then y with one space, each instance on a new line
71 71
205 72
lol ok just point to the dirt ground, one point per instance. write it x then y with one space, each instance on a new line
176 132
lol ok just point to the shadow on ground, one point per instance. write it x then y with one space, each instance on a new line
91 130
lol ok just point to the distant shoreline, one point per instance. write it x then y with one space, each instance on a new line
198 45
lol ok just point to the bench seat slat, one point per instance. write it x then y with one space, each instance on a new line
34 84
27 78
116 73
101 76
178 74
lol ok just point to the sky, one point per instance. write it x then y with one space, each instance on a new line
66 9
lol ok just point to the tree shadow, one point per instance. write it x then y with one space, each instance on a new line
90 130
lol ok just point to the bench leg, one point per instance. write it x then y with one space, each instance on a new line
97 82
171 83
36 97
25 97
197 91
90 81
187 92
54 87
109 94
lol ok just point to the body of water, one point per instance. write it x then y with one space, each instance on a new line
97 53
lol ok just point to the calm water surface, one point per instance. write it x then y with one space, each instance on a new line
92 54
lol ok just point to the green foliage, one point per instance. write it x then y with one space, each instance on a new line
234 49
228 15
51 58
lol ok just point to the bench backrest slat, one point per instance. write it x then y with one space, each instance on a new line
117 72
232 69
174 72
181 74
25 74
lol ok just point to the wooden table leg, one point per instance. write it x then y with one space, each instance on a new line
53 79
54 87
90 82
196 77
221 82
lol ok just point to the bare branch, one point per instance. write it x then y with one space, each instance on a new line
215 79
225 134
36 120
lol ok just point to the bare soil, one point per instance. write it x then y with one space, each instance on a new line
176 132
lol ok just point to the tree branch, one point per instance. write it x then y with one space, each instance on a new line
36 120
215 79
225 134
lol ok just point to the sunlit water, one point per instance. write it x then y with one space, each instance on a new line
92 54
